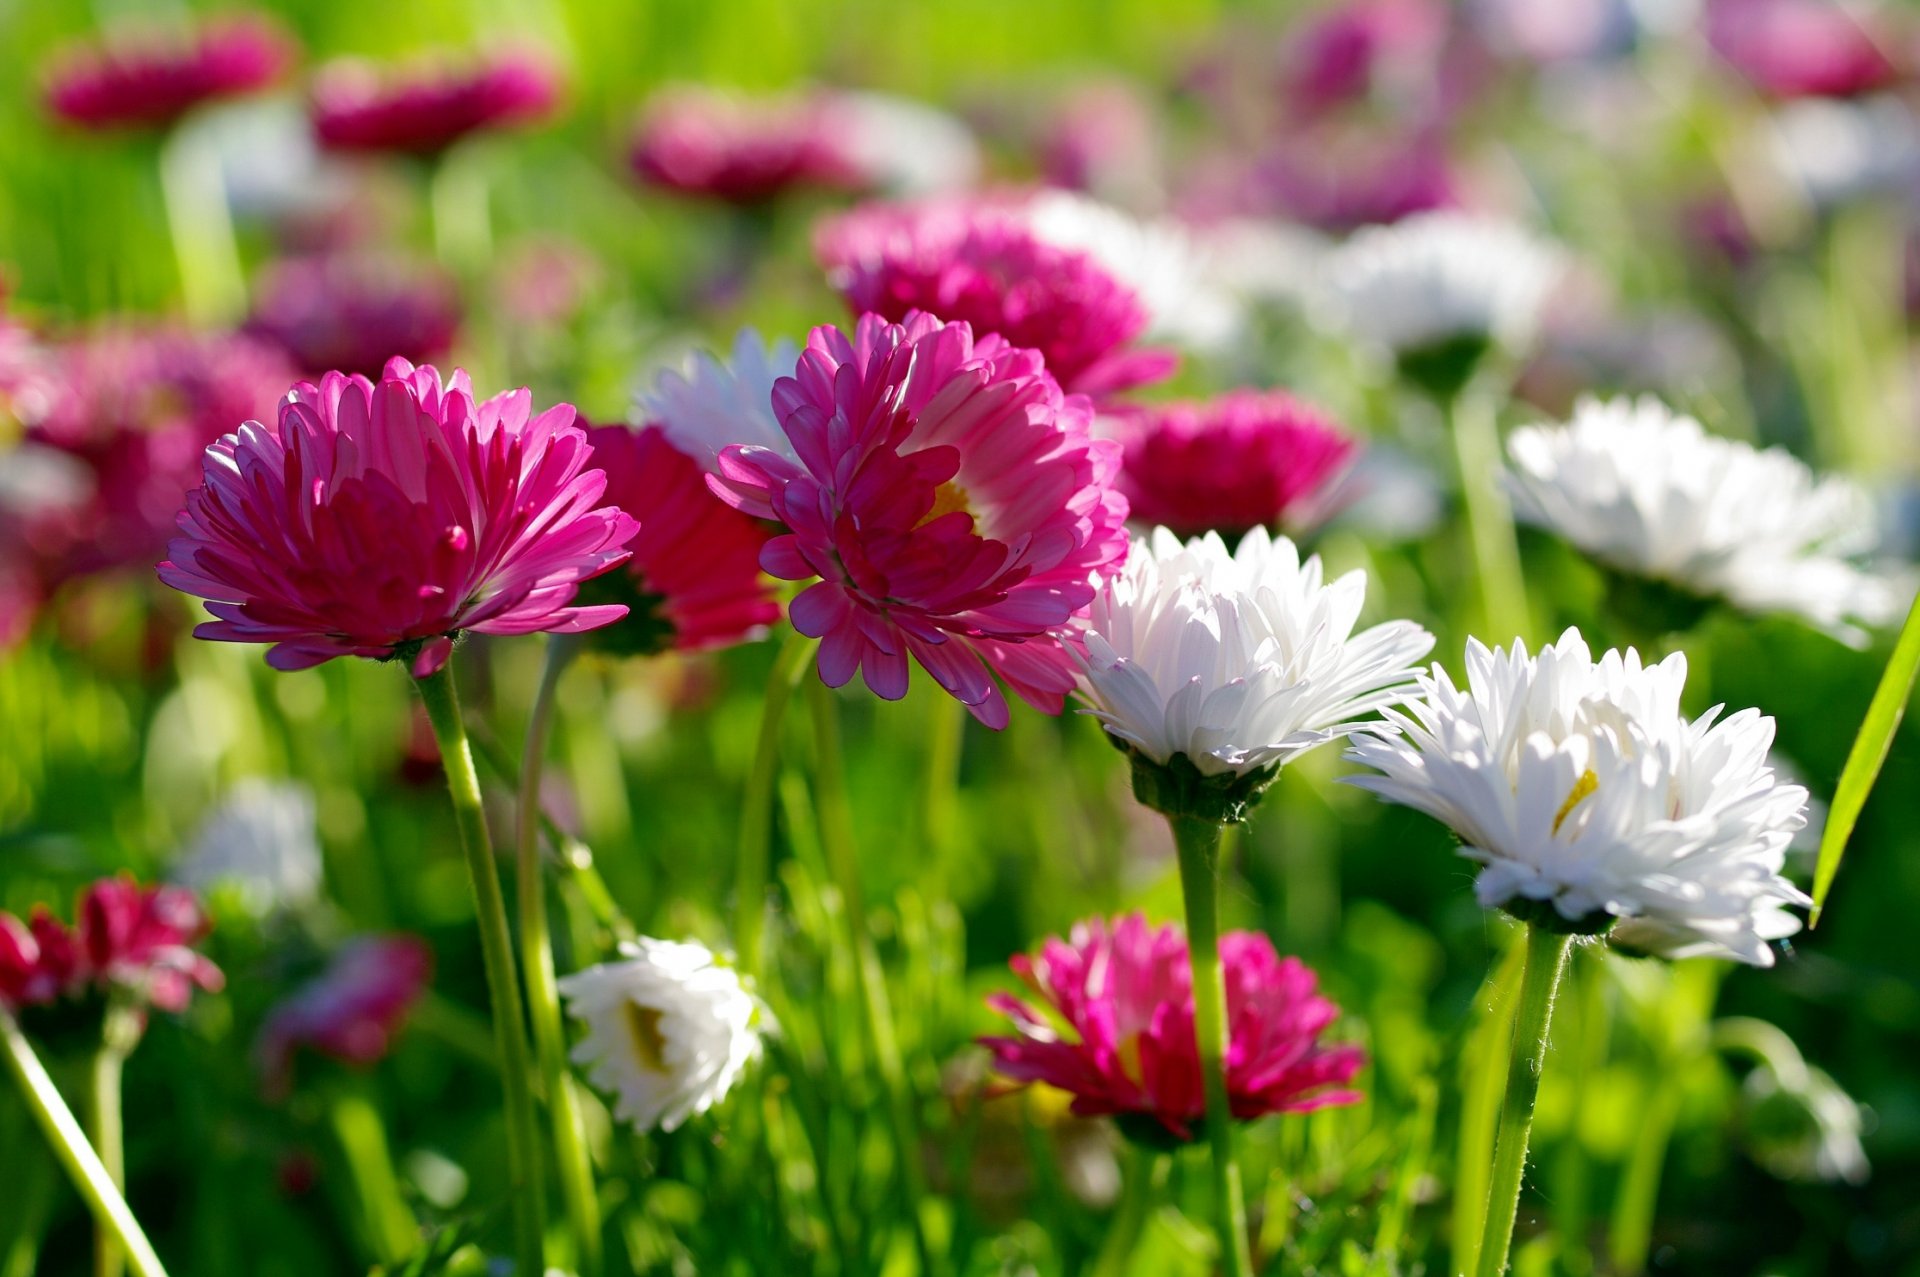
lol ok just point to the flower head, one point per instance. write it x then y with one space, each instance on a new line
950 500
425 109
382 520
1246 460
744 151
136 940
1650 493
352 1011
1587 797
669 1030
1116 1027
1799 48
709 403
262 841
354 312
150 78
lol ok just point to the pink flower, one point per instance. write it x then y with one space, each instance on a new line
383 520
1336 56
1799 48
1338 178
423 110
352 1011
949 498
354 312
740 150
694 580
980 262
137 939
150 78
1116 1031
1248 459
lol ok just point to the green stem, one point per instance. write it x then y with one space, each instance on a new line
496 947
843 859
391 1228
1198 842
572 1164
1146 1176
76 1156
462 211
946 725
753 849
1483 1081
1630 1231
1496 553
213 288
106 1130
1546 959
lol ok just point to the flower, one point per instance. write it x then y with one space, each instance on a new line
984 264
1341 178
669 1030
262 841
952 503
1799 48
1116 1030
352 1011
1334 57
139 78
1246 460
137 940
744 151
1587 797
1802 1126
1841 150
1236 662
899 145
1648 492
694 580
383 520
353 312
424 109
708 404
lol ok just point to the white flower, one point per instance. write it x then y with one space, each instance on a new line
669 1030
1647 491
905 147
707 404
261 840
1580 784
1171 274
1239 661
1438 276
1837 151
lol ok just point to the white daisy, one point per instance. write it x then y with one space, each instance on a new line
1649 492
262 841
1579 785
1238 661
1435 278
669 1030
708 404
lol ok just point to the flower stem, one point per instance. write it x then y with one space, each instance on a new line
76 1156
843 859
1496 554
391 1228
496 947
1198 842
213 288
753 849
1546 959
106 1130
1146 1176
572 1164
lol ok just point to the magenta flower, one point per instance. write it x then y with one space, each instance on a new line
383 520
1799 48
424 109
694 580
1338 179
1116 1029
149 78
355 312
139 940
951 502
744 151
980 262
351 1012
1336 57
1248 459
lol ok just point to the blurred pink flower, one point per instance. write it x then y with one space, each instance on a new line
136 939
1338 179
1248 459
423 109
951 501
741 150
694 580
1334 57
350 1012
979 261
383 520
1104 139
353 312
1799 48
150 77
1116 1029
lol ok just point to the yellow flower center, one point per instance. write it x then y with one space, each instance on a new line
1587 783
947 498
649 1045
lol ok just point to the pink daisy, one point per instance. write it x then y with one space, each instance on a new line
352 1011
383 520
424 109
353 312
1799 48
694 580
951 502
1116 1028
139 940
1248 459
744 151
149 78
982 263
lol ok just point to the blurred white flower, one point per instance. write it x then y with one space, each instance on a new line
906 147
1239 661
261 841
1263 259
1436 278
669 1030
708 404
1579 785
1837 150
1647 491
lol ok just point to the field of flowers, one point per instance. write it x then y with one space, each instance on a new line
1142 638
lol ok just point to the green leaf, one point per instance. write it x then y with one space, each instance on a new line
1868 753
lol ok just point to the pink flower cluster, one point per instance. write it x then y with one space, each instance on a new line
424 110
1799 48
351 1012
1115 1029
353 312
149 79
125 937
